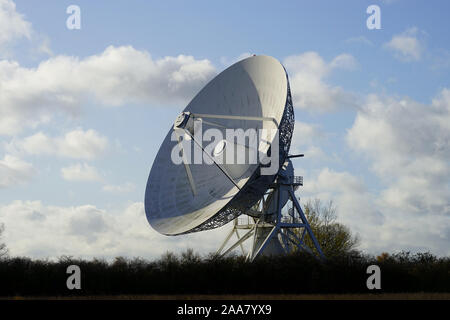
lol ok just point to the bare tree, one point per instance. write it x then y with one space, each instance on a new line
334 238
3 249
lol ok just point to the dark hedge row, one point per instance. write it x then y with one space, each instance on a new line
190 274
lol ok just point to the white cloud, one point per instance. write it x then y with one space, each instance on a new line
306 138
14 171
406 46
87 221
380 227
305 133
355 204
306 75
80 172
123 188
61 84
360 39
330 181
44 46
38 231
77 143
14 28
12 24
82 144
408 145
343 61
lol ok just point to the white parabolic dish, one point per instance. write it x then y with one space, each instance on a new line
254 87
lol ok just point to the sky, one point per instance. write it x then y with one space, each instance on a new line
84 111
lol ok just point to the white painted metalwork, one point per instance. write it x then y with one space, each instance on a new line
253 93
269 228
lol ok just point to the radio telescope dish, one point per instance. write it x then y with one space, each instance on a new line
253 93
191 194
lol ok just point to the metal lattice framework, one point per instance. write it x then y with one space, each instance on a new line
258 184
271 231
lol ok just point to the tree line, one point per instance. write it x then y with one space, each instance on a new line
189 273
343 271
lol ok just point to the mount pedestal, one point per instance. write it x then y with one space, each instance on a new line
275 225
